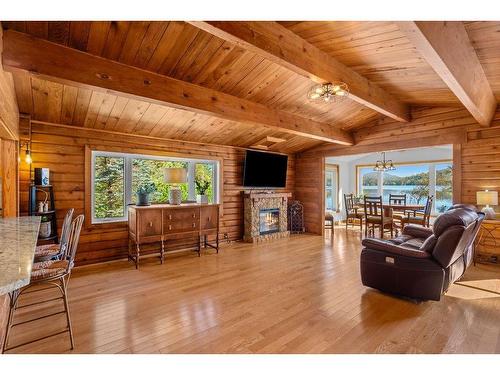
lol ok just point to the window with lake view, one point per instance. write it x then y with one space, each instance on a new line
417 181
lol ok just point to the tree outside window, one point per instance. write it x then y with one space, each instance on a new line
116 178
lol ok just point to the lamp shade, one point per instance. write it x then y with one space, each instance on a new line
175 175
487 197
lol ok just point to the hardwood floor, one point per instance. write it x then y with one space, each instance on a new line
296 295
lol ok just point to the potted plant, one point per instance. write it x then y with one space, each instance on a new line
143 192
45 229
202 188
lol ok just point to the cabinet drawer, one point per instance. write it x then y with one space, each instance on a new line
149 223
181 220
209 217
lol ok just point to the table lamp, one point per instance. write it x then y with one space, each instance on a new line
175 176
487 198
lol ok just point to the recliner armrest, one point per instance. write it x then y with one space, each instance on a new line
388 247
417 231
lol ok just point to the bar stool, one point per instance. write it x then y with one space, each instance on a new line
55 274
54 250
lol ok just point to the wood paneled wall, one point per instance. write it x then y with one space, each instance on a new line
476 154
481 161
62 149
9 112
309 181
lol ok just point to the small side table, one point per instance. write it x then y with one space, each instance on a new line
488 242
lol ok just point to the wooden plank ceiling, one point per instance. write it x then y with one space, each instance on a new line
378 51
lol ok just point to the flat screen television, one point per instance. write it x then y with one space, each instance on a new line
264 170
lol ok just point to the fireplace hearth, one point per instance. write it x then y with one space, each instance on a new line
269 220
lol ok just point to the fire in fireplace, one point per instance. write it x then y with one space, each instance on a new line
269 220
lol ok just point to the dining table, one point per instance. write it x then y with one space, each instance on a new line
396 207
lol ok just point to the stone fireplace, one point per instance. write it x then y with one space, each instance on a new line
265 216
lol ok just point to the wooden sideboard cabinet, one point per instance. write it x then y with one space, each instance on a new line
163 222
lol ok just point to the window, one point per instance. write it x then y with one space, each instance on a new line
417 181
116 177
368 181
444 187
331 188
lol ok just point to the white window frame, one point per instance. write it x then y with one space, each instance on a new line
128 157
334 170
432 164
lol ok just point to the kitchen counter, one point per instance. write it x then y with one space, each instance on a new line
18 237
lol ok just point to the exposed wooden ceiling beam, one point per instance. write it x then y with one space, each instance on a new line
64 64
447 48
280 45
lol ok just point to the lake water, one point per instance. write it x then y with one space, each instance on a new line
439 205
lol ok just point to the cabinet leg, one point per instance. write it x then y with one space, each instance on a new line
162 251
217 242
137 254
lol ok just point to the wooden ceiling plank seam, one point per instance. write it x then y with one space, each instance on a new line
116 112
217 58
282 46
150 118
203 60
167 42
117 34
68 104
178 49
98 35
191 52
149 43
135 35
93 109
104 111
82 104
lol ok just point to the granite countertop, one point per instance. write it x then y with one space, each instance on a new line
18 237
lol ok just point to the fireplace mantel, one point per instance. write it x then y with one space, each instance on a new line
258 200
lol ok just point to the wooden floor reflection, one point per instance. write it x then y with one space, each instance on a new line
297 295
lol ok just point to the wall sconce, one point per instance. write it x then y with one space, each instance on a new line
27 153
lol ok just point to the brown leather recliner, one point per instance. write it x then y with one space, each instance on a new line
423 262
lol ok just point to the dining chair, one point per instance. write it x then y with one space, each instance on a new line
398 214
47 274
419 217
375 214
55 250
352 212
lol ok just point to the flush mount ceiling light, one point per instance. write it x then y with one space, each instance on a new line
384 165
329 92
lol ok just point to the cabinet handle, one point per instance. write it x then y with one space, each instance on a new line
169 227
208 218
194 216
169 217
150 223
194 225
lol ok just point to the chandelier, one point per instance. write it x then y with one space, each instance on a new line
329 92
384 165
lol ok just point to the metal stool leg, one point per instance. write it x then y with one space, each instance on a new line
12 306
66 308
